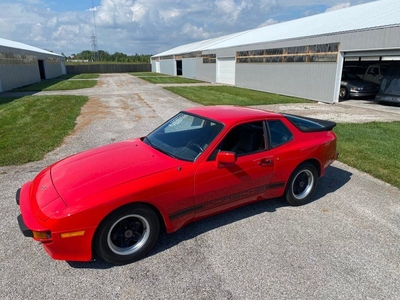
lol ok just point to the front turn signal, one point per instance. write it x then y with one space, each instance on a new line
41 235
72 234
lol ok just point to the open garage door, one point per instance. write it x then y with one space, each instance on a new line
370 67
226 70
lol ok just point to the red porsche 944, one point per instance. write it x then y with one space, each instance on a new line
114 199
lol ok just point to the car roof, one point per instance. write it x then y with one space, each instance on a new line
228 114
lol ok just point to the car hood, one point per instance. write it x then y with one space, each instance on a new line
93 171
358 83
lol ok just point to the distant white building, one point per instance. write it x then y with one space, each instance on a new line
21 64
300 58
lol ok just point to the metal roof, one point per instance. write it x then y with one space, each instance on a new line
199 46
377 14
21 46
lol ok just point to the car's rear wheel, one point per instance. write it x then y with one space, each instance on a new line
302 184
127 234
343 93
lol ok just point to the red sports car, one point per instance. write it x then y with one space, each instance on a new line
205 160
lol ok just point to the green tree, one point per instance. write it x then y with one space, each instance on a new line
118 57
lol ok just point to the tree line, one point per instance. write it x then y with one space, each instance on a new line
104 56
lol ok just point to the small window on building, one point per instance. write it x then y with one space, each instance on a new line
303 54
209 58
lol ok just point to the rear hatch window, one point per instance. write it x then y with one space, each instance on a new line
306 124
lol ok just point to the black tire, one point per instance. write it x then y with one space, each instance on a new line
343 93
127 234
301 185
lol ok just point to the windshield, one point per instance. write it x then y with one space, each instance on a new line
348 75
184 136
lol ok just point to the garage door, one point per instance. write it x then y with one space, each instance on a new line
158 67
366 59
226 70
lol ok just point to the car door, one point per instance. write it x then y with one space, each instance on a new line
218 187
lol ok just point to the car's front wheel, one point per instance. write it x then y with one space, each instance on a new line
127 234
343 93
302 184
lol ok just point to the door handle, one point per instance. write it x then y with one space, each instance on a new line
266 162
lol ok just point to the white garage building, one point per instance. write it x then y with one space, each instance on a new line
21 64
300 58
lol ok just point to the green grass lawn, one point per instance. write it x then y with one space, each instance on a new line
58 84
229 95
372 148
34 125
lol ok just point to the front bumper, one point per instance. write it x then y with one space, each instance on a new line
27 223
17 196
71 249
357 94
24 229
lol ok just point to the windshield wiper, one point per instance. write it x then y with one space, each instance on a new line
158 148
147 141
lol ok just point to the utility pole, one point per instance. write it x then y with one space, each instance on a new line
93 38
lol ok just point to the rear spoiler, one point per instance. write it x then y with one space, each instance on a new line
306 124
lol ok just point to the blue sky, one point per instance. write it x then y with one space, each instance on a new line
144 26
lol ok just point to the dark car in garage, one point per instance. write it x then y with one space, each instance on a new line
389 90
352 86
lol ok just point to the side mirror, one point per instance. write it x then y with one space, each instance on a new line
226 157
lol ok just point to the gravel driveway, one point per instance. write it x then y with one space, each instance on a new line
343 245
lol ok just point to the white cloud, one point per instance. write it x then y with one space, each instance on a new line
196 32
114 12
268 22
226 6
66 32
139 12
338 6
171 15
52 22
37 32
143 26
230 11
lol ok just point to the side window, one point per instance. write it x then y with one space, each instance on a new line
279 133
243 139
